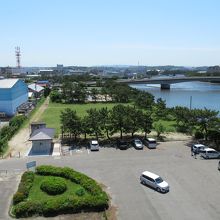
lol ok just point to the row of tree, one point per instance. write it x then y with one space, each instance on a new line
203 122
74 92
120 119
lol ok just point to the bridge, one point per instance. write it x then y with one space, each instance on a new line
166 82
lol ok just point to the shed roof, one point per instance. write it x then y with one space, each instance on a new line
35 87
7 83
42 134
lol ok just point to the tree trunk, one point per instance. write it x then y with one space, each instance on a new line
107 134
85 136
121 134
96 135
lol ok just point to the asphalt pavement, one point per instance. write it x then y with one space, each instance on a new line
194 183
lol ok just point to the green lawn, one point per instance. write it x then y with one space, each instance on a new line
36 194
170 126
52 114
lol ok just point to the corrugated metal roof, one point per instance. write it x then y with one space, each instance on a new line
42 134
35 87
7 83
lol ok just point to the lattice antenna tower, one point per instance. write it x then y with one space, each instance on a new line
18 56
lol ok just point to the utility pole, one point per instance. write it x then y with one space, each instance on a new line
18 57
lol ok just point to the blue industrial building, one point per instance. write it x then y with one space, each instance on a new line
13 93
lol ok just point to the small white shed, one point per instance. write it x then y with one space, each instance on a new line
42 140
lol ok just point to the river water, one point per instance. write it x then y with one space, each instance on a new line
202 94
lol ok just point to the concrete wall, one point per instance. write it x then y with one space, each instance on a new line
41 147
11 98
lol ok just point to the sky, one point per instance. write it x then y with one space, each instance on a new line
110 32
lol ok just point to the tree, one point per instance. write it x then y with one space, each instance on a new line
118 118
79 92
70 122
55 96
160 109
144 100
104 115
146 123
134 119
184 118
205 119
159 128
47 91
93 122
94 93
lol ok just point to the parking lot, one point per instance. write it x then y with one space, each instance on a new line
194 183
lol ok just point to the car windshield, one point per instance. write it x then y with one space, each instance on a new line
137 142
159 180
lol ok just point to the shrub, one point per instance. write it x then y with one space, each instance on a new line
18 197
80 192
53 186
24 187
95 200
27 208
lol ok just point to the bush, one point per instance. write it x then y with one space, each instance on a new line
53 186
18 197
95 200
27 208
80 192
24 187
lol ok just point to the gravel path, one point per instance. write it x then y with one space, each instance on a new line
19 144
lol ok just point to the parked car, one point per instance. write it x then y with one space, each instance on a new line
198 148
137 144
210 153
122 144
150 143
154 181
94 145
219 165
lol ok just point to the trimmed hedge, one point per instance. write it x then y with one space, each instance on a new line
95 200
53 186
86 182
24 187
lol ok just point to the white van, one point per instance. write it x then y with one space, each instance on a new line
94 145
154 181
210 153
150 143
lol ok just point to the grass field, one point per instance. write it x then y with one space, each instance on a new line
52 114
36 194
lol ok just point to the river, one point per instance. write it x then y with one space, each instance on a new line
202 94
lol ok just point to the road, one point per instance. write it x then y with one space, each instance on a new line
194 183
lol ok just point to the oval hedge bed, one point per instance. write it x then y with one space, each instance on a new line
58 191
53 186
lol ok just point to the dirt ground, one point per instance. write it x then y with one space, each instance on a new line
19 144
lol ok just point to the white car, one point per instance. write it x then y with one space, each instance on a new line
210 153
154 181
94 145
198 148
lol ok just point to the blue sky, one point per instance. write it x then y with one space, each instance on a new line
110 32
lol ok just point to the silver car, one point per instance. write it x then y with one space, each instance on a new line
154 181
